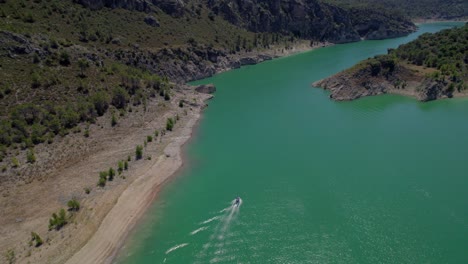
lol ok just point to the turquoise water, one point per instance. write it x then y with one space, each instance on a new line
377 180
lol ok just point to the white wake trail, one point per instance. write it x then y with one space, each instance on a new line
199 230
176 247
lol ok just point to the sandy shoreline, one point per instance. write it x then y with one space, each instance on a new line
133 202
106 242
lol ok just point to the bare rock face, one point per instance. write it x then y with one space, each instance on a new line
174 8
206 89
152 21
139 5
433 90
303 18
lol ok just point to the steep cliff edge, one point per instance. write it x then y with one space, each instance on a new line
311 19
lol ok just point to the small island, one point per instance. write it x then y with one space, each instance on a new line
431 67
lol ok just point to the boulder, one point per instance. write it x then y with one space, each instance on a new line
206 88
152 21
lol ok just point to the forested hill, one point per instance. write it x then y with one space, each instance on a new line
432 66
66 62
416 9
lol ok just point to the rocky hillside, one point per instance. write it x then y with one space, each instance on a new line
415 9
310 19
431 67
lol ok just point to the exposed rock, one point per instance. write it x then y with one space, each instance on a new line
174 8
152 21
433 90
356 83
310 19
139 5
206 88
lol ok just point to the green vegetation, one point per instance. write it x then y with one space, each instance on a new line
102 178
36 238
87 190
170 124
10 256
30 156
58 221
126 165
120 166
138 152
445 51
416 9
14 162
439 60
114 120
111 174
73 205
149 138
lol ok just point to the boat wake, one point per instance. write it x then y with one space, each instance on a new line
176 247
218 245
218 241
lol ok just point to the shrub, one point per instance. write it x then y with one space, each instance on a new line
119 97
139 152
181 104
156 133
64 58
83 64
14 162
58 221
120 167
87 190
102 178
28 18
125 165
10 256
30 156
129 158
114 120
101 182
149 138
169 124
36 238
111 174
101 102
73 205
86 133
35 80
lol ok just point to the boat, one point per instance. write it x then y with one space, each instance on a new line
237 201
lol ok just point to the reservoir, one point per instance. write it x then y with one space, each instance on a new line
377 180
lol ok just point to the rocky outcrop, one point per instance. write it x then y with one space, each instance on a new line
152 21
364 80
375 24
182 65
174 8
206 89
139 5
310 19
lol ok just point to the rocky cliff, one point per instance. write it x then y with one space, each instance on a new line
311 19
382 76
431 67
306 19
172 7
